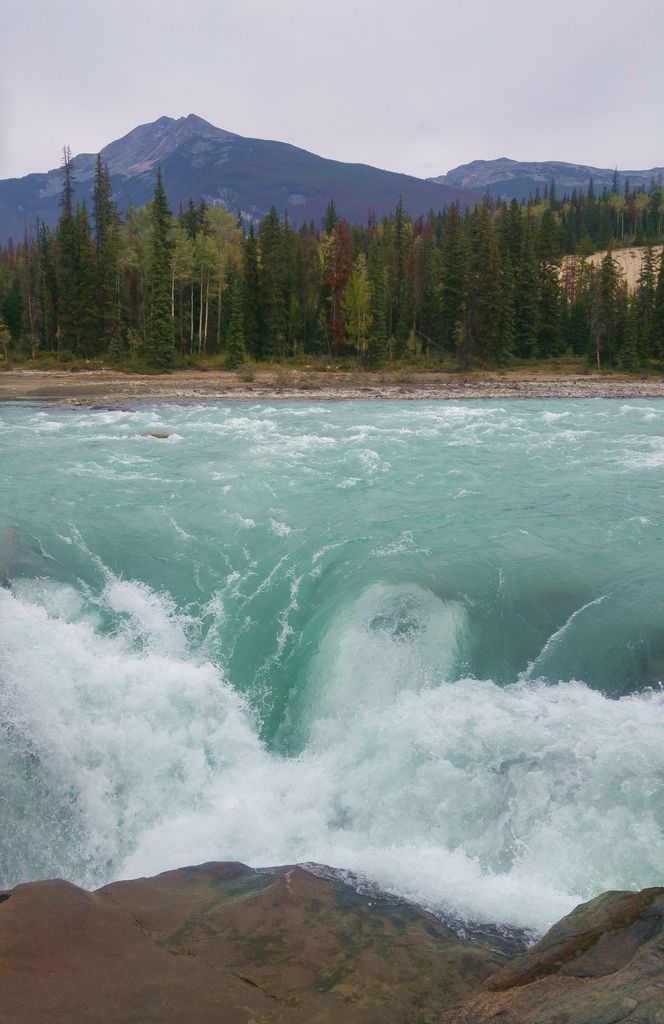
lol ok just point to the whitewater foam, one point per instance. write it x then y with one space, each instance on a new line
508 804
179 685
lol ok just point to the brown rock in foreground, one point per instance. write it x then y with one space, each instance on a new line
602 964
226 944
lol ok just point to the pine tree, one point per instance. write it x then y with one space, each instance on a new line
377 347
12 309
237 353
160 334
253 332
107 256
645 304
331 218
658 313
629 351
481 333
453 283
67 260
273 286
402 296
86 336
48 288
549 317
504 343
337 274
526 301
604 308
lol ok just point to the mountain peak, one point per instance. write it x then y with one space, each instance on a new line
148 145
518 178
203 162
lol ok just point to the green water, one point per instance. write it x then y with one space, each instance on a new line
419 641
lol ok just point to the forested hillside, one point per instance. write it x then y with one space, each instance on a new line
474 287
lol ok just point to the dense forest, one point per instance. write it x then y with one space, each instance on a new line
478 287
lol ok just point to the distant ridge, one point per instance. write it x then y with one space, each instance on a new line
201 161
518 179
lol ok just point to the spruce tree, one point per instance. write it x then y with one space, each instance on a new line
504 343
629 351
107 260
253 332
526 301
645 304
273 279
377 347
160 334
658 313
330 218
237 353
86 325
480 337
402 296
548 248
454 251
67 260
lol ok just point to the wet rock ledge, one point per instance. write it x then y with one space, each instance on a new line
227 944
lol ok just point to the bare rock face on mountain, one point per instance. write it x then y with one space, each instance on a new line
203 162
224 943
519 179
603 964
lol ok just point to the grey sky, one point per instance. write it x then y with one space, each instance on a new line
417 86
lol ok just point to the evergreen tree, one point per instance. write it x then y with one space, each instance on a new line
402 297
504 343
454 251
237 353
377 347
5 339
67 260
86 340
107 256
603 319
160 334
48 288
549 318
479 341
331 218
526 301
629 352
12 309
273 286
337 275
658 313
253 332
645 305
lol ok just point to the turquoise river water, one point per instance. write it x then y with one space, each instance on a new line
419 641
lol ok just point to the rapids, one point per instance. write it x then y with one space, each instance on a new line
422 642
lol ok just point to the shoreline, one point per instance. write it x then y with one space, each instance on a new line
95 387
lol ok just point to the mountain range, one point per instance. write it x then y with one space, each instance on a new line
200 161
245 175
519 179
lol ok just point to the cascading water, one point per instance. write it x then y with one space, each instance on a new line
422 642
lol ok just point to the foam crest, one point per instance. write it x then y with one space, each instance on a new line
496 803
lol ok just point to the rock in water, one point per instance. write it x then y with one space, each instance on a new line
225 944
602 964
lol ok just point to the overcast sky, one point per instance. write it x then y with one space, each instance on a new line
418 86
